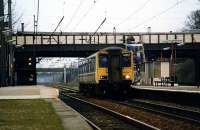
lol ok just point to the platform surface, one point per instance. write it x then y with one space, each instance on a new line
71 119
28 92
188 89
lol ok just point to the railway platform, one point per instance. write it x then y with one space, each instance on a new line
71 119
186 89
186 95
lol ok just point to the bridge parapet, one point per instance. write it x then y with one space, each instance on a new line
103 38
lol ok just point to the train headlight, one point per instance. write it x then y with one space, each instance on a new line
127 77
103 77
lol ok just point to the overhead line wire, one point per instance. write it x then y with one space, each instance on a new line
158 15
134 12
84 16
74 14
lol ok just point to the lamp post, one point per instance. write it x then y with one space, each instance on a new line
173 61
174 44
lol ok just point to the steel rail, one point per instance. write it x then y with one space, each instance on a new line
171 111
122 117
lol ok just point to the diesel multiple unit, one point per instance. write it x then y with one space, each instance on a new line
110 70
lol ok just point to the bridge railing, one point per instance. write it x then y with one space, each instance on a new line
103 38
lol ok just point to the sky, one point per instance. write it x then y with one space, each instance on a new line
124 15
87 15
57 62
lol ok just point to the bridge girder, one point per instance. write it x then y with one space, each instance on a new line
77 50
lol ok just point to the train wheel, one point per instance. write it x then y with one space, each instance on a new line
99 91
84 89
80 88
91 90
126 92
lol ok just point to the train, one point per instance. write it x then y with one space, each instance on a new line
108 71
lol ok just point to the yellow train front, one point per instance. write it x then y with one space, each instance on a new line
108 71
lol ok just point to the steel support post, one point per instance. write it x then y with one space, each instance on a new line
197 71
1 43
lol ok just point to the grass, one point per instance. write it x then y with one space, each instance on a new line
28 115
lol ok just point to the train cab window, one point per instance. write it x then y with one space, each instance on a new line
126 61
103 61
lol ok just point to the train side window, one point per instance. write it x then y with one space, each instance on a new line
126 61
103 61
88 66
92 65
79 69
84 68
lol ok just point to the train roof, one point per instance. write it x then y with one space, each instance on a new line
105 49
112 48
134 45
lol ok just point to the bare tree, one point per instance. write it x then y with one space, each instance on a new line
16 15
193 20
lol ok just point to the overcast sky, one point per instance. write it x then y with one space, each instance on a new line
87 15
124 15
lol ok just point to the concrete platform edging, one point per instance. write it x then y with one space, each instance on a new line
70 118
28 92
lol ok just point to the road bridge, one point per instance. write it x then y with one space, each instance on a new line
29 38
30 45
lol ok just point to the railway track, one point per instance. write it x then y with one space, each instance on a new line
167 110
104 118
172 111
63 88
151 115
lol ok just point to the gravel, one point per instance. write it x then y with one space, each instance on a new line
159 121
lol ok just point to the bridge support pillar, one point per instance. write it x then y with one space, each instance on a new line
3 65
197 71
6 64
25 69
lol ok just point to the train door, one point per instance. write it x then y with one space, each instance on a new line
114 69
